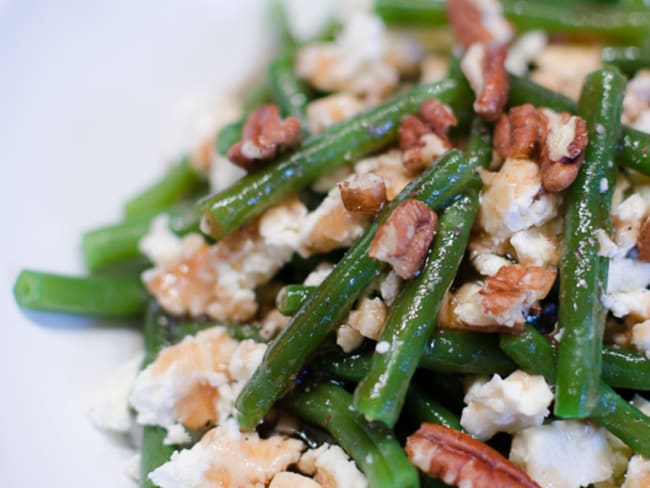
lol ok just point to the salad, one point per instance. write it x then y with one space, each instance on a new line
417 255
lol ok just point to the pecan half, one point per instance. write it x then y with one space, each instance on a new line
643 242
563 139
438 116
265 134
365 193
516 285
404 238
459 460
473 21
516 134
484 68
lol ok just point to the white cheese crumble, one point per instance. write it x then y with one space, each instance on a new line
563 454
641 337
523 50
332 467
505 405
533 247
287 479
325 111
160 245
638 473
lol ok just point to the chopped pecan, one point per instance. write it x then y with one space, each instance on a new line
643 243
265 134
423 139
365 193
563 139
484 68
516 134
404 238
459 460
477 21
515 285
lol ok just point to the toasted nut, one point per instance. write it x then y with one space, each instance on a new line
563 139
484 68
477 21
460 460
516 134
265 134
404 239
516 285
643 243
410 131
438 116
365 193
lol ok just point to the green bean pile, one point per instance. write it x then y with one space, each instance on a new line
412 372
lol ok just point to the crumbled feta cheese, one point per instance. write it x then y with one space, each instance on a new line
638 472
368 317
329 180
287 479
505 405
389 287
511 199
433 67
641 337
563 454
348 338
636 105
641 403
627 218
226 457
110 409
635 303
389 167
133 467
523 50
176 435
533 247
160 245
317 276
280 225
224 173
325 111
332 468
627 275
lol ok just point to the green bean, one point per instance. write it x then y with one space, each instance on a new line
633 147
602 21
289 92
534 354
287 354
375 450
380 395
626 369
229 135
112 244
629 59
583 273
181 180
448 351
101 296
291 297
342 143
420 407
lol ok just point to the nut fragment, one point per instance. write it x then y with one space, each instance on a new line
404 238
563 139
365 193
422 139
643 243
460 460
265 134
516 134
484 68
478 21
515 285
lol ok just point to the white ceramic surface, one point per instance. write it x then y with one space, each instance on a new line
95 98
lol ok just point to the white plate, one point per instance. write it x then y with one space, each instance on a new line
95 97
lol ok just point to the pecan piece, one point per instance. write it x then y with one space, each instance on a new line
404 238
563 139
484 68
422 139
365 194
643 242
516 134
459 460
477 21
265 134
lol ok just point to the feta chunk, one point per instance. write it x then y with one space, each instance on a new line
523 50
638 472
287 479
224 173
325 111
641 337
505 405
160 245
635 303
332 468
226 457
563 454
636 105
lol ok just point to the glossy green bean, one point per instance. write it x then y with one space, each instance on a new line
626 369
289 92
533 353
426 13
375 450
420 407
633 146
629 59
291 297
287 354
106 246
100 296
340 144
381 393
583 273
181 180
229 135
